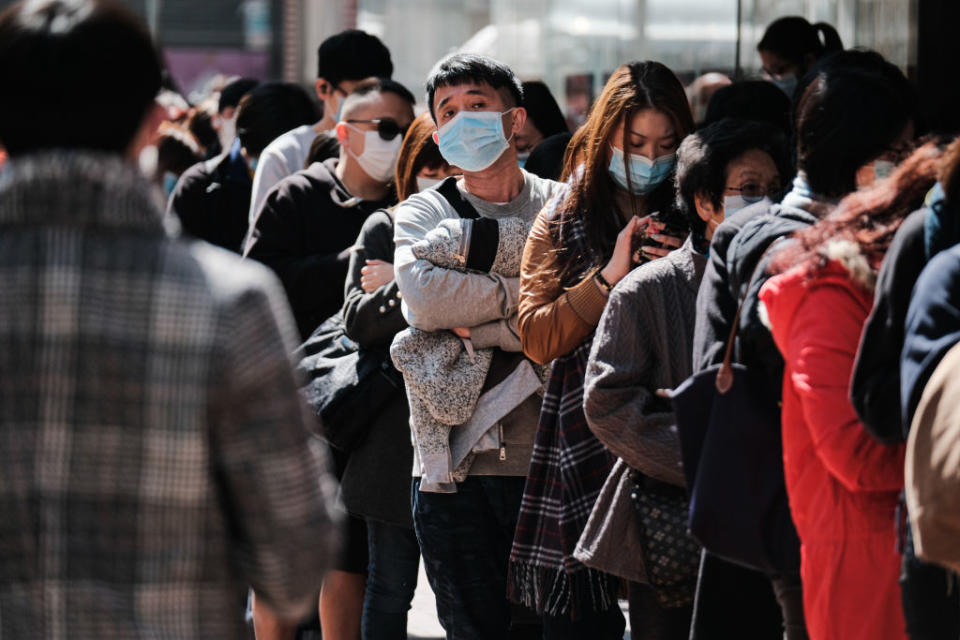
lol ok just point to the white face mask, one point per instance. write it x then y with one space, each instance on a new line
427 183
379 157
227 132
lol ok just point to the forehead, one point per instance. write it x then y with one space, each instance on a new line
467 88
377 104
651 123
752 161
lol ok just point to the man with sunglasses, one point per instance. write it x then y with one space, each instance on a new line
311 218
343 61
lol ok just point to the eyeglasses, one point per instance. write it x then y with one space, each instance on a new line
756 190
386 127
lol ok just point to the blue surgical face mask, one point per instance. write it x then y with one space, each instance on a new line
645 174
732 204
883 168
473 140
522 158
169 182
786 83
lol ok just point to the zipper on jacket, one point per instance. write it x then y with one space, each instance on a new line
503 445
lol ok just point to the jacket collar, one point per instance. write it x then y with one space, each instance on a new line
78 189
803 198
688 264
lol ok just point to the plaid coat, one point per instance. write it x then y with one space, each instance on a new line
154 454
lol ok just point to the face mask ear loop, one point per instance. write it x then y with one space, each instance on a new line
511 124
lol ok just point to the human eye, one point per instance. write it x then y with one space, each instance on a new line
752 190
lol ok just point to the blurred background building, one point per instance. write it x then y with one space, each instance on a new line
572 45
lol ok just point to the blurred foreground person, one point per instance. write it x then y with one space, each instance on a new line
155 454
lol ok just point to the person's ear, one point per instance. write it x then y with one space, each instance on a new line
342 133
705 209
323 89
146 134
436 138
519 119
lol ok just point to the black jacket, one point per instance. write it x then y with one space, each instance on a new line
932 326
875 385
737 246
306 226
212 200
376 481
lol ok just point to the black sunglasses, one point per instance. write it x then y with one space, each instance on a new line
386 127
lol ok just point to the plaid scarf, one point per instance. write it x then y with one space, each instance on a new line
567 470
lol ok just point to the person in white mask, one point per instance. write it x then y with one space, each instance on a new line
343 61
304 233
728 166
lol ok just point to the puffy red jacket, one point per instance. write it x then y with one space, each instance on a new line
843 486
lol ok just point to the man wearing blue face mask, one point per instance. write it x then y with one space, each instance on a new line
465 536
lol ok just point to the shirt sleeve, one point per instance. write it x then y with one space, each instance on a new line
821 350
271 169
553 321
435 298
271 471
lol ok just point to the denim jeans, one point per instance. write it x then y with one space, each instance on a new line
465 539
391 580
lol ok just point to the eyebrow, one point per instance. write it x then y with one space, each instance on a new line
470 92
640 135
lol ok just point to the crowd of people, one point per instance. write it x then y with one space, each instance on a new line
262 359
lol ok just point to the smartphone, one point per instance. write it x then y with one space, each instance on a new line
674 225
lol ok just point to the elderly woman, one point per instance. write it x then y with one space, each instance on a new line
643 343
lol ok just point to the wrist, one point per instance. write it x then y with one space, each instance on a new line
602 282
610 275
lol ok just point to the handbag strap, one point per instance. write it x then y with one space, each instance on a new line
725 374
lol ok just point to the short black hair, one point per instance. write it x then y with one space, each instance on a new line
757 100
854 109
460 68
353 55
703 157
382 85
234 91
271 110
542 109
75 74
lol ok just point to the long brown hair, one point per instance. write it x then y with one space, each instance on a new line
418 151
632 88
868 218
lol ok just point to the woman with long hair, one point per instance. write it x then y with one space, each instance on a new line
843 485
619 171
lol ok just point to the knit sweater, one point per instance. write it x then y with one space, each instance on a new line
643 343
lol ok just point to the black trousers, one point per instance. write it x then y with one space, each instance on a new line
930 596
734 602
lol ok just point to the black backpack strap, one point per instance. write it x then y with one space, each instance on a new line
451 193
